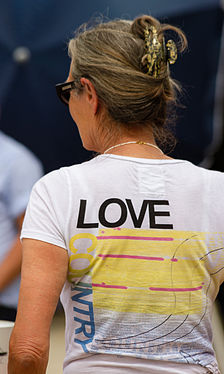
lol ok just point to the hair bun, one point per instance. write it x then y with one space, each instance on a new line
140 24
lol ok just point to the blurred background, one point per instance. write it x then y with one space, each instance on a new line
33 58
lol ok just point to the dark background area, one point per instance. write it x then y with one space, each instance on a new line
31 112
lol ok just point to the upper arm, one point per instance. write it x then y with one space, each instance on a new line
44 271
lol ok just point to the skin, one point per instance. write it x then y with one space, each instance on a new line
41 282
41 285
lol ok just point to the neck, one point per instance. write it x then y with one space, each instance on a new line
136 148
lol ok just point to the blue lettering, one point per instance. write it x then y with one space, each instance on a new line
84 292
82 328
83 343
87 314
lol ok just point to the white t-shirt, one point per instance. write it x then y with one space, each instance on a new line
145 240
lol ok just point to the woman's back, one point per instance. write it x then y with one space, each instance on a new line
145 244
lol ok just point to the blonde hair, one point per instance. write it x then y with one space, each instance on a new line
112 56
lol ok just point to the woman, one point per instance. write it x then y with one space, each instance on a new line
133 236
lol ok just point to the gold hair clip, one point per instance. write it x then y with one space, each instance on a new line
154 52
158 53
171 50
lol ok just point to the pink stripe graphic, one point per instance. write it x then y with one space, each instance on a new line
109 286
175 289
136 238
134 257
103 285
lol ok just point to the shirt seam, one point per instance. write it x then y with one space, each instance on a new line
30 234
145 160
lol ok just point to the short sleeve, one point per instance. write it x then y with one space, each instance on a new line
23 174
45 217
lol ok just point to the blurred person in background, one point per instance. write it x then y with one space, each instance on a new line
19 170
133 238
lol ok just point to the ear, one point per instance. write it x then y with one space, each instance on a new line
91 94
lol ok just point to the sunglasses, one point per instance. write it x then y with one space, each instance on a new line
63 90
